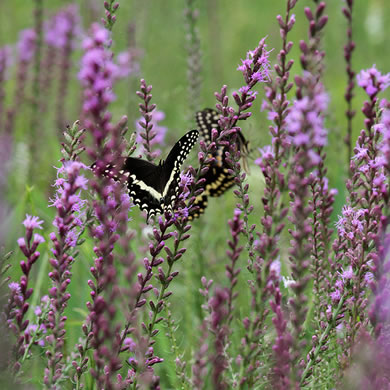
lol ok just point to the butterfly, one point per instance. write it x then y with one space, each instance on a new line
217 179
155 188
207 119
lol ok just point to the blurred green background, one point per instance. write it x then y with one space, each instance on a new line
227 31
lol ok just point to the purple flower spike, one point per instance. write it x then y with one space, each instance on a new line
306 113
17 306
31 223
61 33
306 133
97 75
194 55
26 45
384 147
156 135
5 61
26 49
98 72
69 212
217 320
62 27
236 226
111 7
349 94
281 347
146 122
255 68
373 81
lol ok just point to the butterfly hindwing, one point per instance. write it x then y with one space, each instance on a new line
218 181
199 206
172 165
143 183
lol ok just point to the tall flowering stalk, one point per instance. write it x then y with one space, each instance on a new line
97 75
178 220
355 259
110 7
194 56
218 326
189 189
366 188
67 222
20 292
199 368
142 365
60 34
5 56
216 321
35 99
275 211
49 62
280 376
348 51
151 136
67 29
379 313
306 133
236 226
219 308
255 69
26 49
146 122
312 60
311 53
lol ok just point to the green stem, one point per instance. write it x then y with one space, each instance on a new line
164 286
322 340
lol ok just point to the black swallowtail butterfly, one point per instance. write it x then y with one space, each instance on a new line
154 188
218 179
207 120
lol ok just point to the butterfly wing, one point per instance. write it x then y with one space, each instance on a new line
170 176
143 182
199 206
207 120
218 181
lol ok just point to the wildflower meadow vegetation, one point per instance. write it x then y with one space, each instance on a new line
282 282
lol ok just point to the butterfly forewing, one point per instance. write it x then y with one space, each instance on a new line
172 165
207 119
